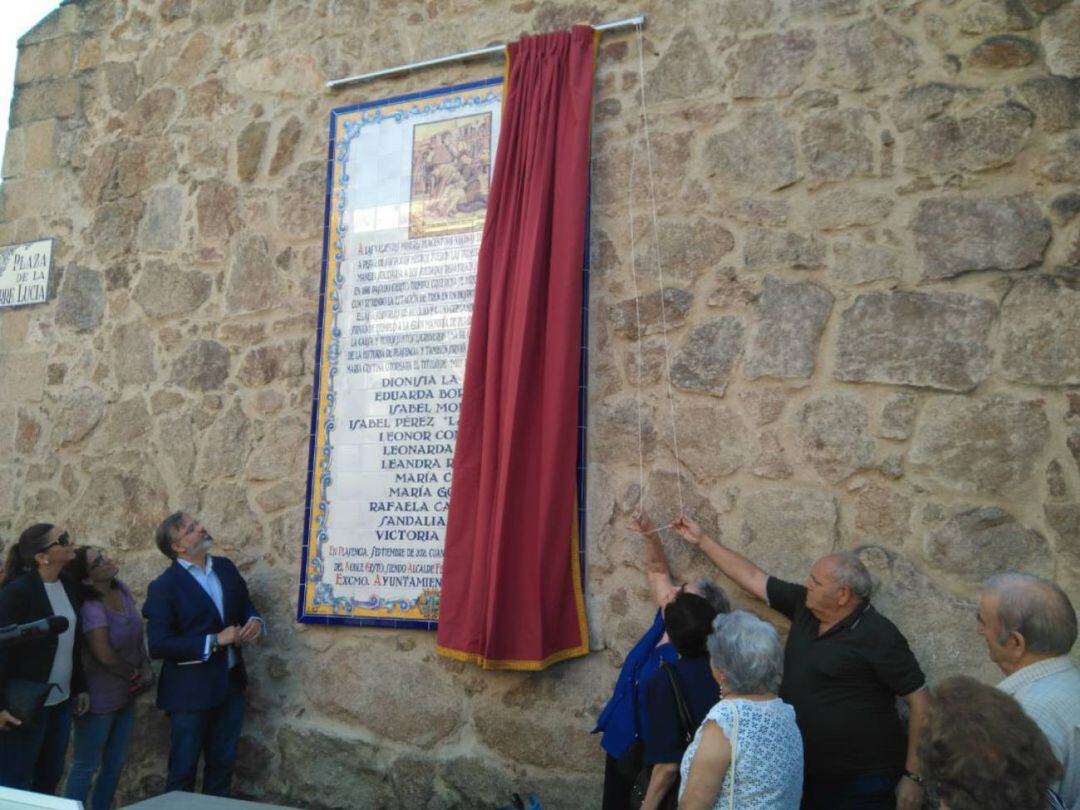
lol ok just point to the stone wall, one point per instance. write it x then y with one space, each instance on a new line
868 225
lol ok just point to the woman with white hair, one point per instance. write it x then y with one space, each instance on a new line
748 752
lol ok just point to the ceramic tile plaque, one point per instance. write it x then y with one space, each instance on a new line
24 273
407 189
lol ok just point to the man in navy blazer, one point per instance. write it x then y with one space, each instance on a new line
198 615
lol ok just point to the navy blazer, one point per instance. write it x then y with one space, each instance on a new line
179 616
24 600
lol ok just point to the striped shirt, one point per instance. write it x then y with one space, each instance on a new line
1049 691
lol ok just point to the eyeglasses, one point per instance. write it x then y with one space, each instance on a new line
100 561
62 540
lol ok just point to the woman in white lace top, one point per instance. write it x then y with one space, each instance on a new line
748 752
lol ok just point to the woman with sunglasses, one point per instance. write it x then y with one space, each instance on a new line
32 750
117 668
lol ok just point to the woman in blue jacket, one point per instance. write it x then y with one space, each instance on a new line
623 721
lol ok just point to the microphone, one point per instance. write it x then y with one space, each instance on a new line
18 633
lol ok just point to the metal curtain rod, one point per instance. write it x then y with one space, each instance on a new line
616 25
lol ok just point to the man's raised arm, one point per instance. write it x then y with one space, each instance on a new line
732 564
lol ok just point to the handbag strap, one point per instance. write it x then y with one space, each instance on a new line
734 752
685 720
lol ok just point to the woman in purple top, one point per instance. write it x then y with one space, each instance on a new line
117 667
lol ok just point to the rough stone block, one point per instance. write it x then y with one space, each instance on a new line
882 516
81 300
254 283
49 99
978 543
1060 36
124 500
133 344
250 145
835 145
789 321
857 263
48 60
713 441
301 201
1062 162
1040 332
990 138
955 235
1055 101
1003 52
865 54
160 226
164 290
653 313
771 65
23 374
1064 520
281 452
898 417
121 84
202 366
833 432
744 14
759 152
766 249
688 250
815 9
934 340
706 359
114 228
41 146
785 530
979 445
224 446
995 17
921 102
78 414
837 209
287 139
684 69
266 364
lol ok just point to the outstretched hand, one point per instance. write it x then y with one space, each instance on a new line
688 530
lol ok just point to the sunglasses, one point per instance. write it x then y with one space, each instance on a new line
62 540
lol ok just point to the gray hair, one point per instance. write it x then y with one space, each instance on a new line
713 594
748 651
849 571
1037 609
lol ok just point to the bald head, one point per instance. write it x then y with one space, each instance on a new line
1036 609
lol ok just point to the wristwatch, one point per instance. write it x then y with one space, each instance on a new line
214 646
914 777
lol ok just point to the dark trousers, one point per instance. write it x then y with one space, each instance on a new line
214 734
865 792
33 758
617 785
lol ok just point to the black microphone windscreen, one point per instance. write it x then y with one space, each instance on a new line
58 624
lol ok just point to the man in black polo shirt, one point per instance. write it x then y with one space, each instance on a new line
844 666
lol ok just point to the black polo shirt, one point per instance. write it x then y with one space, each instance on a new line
844 684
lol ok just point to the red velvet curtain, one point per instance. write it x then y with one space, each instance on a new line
511 593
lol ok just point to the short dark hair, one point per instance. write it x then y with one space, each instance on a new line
980 751
164 534
688 619
1037 609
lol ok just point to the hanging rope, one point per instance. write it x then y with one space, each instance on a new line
644 134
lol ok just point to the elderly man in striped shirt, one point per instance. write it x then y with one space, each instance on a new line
1030 626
